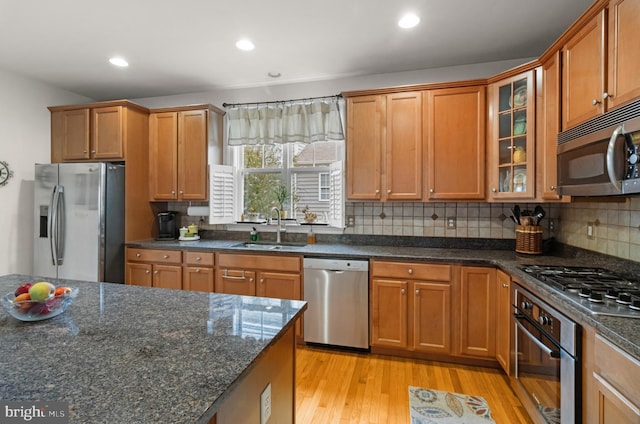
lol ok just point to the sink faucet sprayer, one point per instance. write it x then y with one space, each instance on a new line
275 208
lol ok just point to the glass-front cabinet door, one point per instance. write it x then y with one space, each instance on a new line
512 138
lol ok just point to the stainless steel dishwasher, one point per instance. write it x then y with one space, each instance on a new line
337 295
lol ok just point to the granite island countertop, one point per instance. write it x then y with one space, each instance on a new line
125 353
624 332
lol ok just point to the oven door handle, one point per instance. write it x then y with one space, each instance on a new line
551 353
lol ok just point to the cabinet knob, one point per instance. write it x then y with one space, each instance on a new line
417 291
138 255
173 192
93 152
606 95
155 272
430 190
181 191
553 188
377 191
493 190
147 271
595 102
251 280
403 291
166 256
262 281
197 269
389 191
410 271
198 259
505 285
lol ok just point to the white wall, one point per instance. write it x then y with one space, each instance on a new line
24 140
331 87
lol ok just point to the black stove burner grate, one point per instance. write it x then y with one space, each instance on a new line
598 289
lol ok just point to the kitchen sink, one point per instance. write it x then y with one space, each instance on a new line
269 246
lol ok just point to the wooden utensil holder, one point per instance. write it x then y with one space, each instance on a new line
529 239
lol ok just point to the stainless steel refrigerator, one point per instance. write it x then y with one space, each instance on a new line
79 221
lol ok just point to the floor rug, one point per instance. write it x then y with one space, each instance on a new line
434 406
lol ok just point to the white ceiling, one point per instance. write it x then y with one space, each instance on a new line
185 46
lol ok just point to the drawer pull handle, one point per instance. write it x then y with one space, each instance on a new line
198 259
166 256
410 271
231 277
138 255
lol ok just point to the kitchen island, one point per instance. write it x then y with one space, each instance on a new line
136 354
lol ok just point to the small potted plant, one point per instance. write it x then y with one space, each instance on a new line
309 216
282 195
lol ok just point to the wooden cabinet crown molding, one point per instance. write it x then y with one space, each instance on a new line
210 107
110 103
417 87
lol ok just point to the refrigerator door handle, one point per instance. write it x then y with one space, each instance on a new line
61 224
52 224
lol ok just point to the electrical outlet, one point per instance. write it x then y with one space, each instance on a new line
590 233
351 221
265 404
451 223
552 225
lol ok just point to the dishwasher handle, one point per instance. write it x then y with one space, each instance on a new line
328 264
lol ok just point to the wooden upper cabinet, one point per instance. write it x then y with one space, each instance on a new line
623 52
365 116
547 143
454 132
71 133
107 138
384 147
601 62
163 155
404 146
192 155
511 142
182 144
583 70
105 131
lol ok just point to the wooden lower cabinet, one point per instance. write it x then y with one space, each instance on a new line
408 311
477 299
504 320
154 268
198 273
611 393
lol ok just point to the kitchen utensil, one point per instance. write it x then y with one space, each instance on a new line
516 213
513 216
538 214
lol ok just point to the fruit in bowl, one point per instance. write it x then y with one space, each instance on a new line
38 301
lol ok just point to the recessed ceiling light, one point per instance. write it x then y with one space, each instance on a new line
245 45
118 61
409 21
274 74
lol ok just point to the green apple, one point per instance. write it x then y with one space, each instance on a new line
41 290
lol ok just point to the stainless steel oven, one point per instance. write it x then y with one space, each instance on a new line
547 364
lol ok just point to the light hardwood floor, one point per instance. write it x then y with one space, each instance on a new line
335 386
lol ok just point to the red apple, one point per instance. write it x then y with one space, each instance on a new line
23 289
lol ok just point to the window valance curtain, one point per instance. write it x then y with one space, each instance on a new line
285 122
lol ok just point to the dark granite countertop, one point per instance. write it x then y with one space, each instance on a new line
136 354
624 332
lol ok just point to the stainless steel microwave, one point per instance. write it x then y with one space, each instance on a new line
599 160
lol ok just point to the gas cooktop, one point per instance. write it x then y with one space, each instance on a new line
599 290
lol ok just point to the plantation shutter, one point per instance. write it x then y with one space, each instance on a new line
336 184
222 194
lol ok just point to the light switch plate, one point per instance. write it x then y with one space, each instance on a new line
265 404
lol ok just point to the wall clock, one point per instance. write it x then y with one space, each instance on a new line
5 173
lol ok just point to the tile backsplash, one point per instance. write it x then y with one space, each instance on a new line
616 225
471 220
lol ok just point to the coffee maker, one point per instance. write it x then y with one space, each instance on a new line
167 225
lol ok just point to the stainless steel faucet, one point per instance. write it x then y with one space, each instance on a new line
278 238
